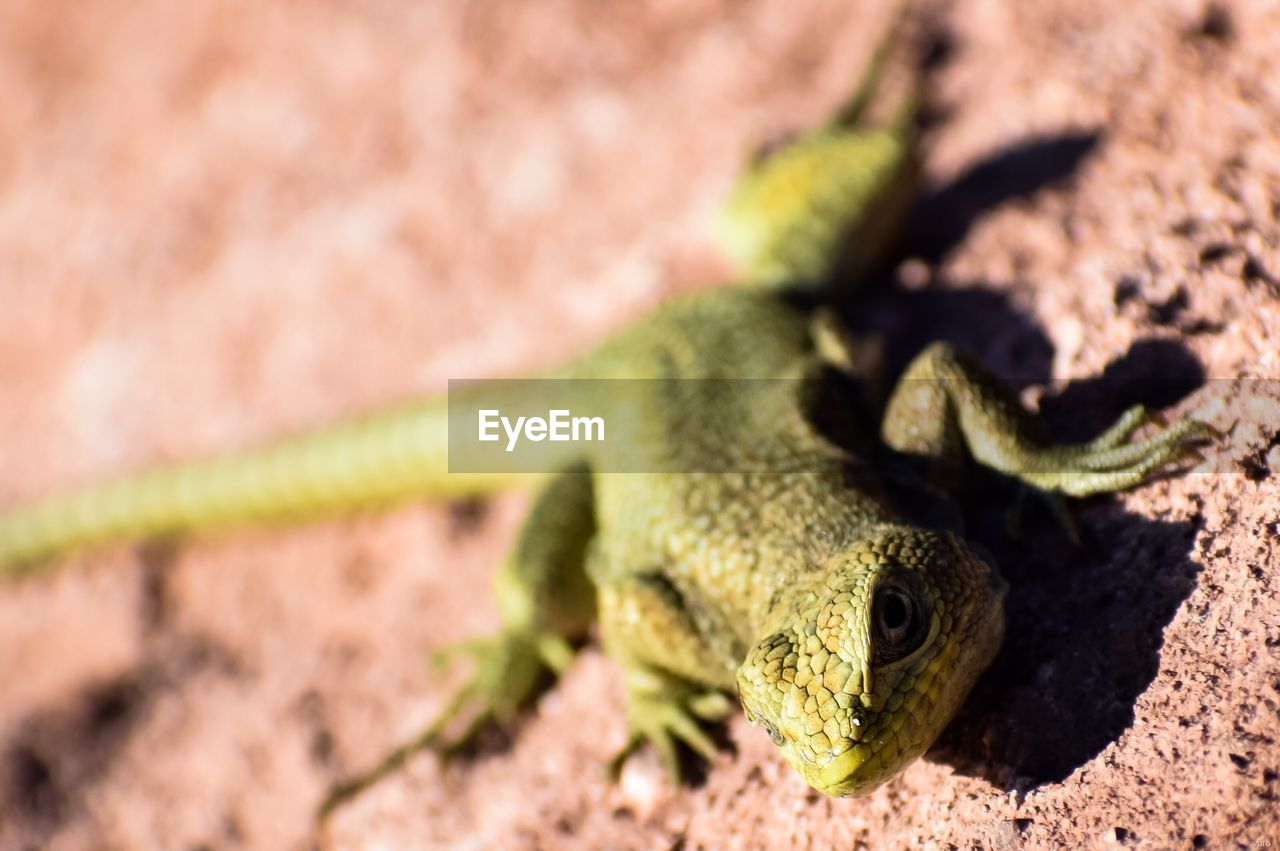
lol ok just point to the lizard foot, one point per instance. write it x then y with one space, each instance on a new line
1110 462
508 669
669 715
1107 463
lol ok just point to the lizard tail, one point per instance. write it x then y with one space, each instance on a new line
381 459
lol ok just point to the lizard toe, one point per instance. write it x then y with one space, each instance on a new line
664 722
1108 463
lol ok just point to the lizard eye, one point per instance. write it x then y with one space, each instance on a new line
899 624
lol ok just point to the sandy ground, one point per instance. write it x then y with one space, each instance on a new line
221 220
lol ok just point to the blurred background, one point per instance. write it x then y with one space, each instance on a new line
289 210
221 220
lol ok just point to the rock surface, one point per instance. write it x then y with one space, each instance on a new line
221 220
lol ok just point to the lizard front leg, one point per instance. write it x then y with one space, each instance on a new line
947 403
546 600
674 678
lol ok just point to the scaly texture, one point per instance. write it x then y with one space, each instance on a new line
754 550
851 633
379 460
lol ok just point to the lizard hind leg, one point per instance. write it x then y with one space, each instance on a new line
547 603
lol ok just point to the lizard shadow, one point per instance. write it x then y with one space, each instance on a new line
1083 638
54 754
942 215
1155 373
1085 624
937 222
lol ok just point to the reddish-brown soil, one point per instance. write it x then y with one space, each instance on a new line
222 219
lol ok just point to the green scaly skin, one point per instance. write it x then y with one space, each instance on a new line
850 633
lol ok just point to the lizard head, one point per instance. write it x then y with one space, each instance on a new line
862 670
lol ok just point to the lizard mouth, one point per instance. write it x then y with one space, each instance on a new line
847 774
858 768
843 775
852 773
835 776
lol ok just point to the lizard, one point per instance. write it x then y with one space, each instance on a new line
755 552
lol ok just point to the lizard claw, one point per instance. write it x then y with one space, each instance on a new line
664 720
1110 462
